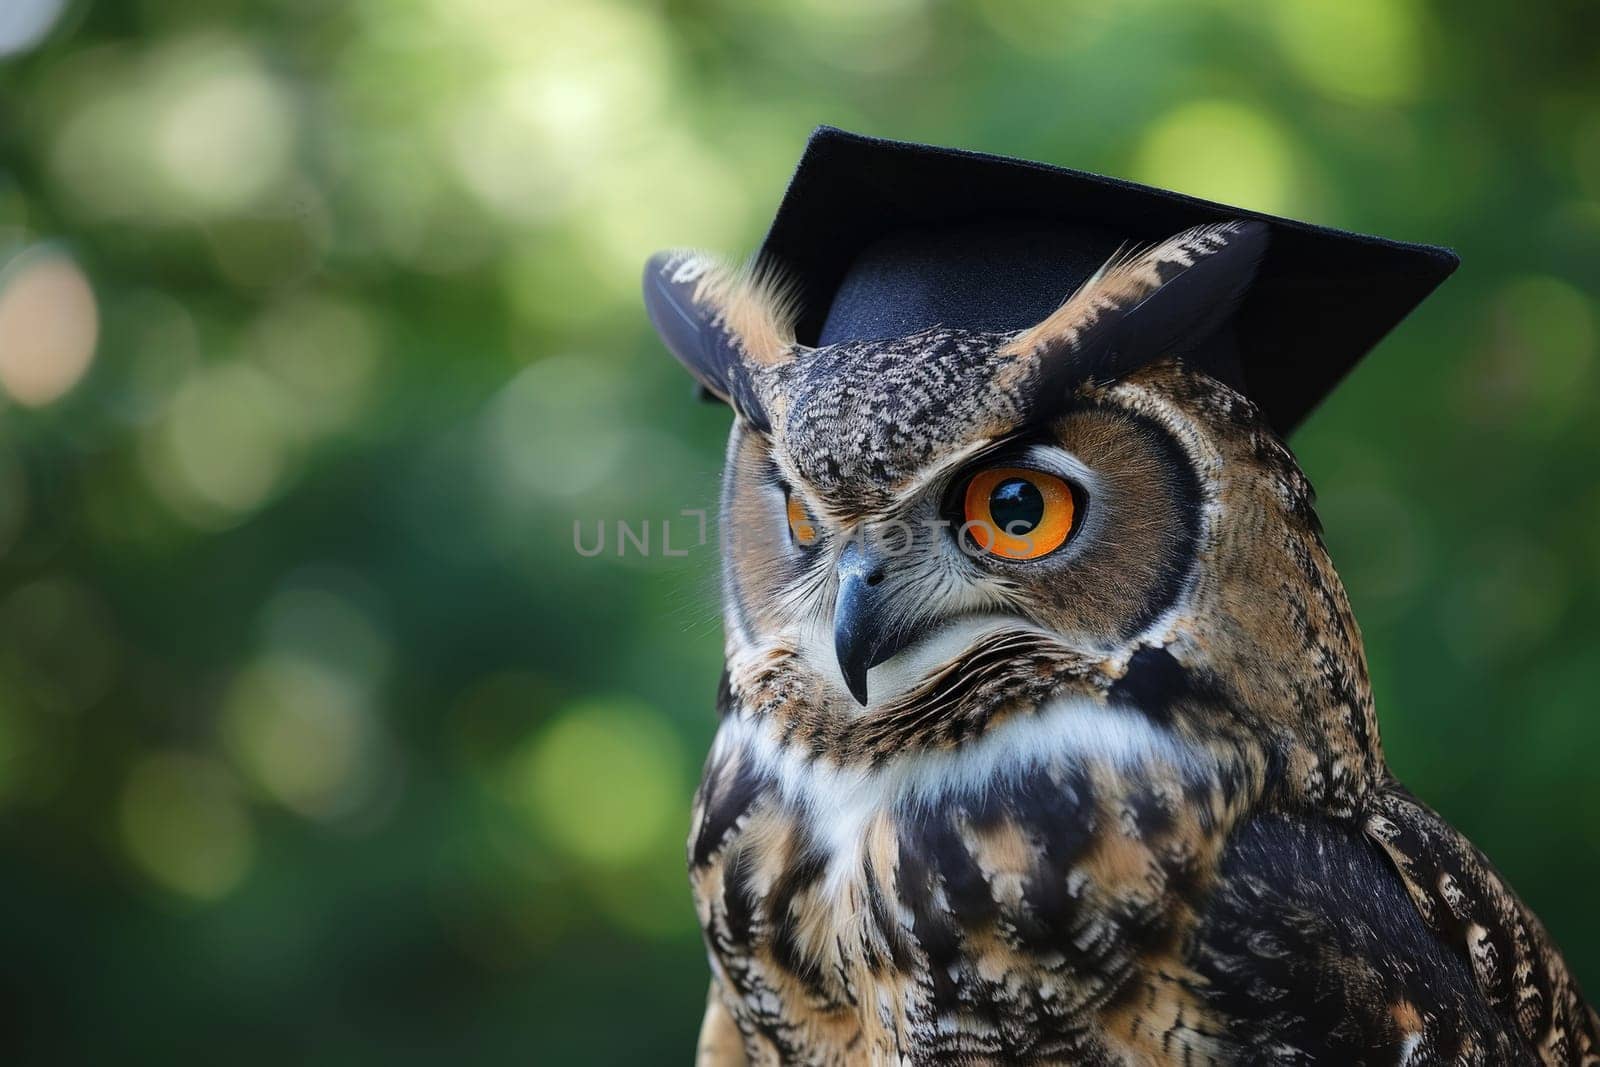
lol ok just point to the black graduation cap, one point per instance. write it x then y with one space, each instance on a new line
884 238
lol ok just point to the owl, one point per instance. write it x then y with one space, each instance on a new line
1045 733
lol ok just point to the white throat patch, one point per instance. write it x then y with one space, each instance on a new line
840 802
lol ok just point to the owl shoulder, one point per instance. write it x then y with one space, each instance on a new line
1311 950
1469 907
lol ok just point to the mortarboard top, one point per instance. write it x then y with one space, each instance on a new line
885 238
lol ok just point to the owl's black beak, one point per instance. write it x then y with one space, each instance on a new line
862 634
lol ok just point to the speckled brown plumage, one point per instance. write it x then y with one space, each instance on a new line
1125 804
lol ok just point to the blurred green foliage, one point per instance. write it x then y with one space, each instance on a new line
319 743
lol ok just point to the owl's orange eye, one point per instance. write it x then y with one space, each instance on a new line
801 528
1017 513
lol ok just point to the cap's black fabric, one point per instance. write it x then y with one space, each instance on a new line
996 275
884 238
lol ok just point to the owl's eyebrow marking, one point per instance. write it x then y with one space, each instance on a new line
1052 457
966 457
1021 445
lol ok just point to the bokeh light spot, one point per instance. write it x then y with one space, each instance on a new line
196 127
96 159
25 23
304 734
183 825
226 445
530 131
531 425
324 349
1220 150
672 169
1363 50
319 617
49 324
604 780
226 132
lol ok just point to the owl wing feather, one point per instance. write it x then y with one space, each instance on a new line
1468 906
1310 951
1392 943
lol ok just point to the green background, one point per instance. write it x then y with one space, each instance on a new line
319 743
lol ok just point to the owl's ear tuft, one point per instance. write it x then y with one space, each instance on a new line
721 322
1149 302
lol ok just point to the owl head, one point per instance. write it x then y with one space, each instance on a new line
881 494
927 528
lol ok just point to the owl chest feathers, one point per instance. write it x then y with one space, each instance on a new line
1026 893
